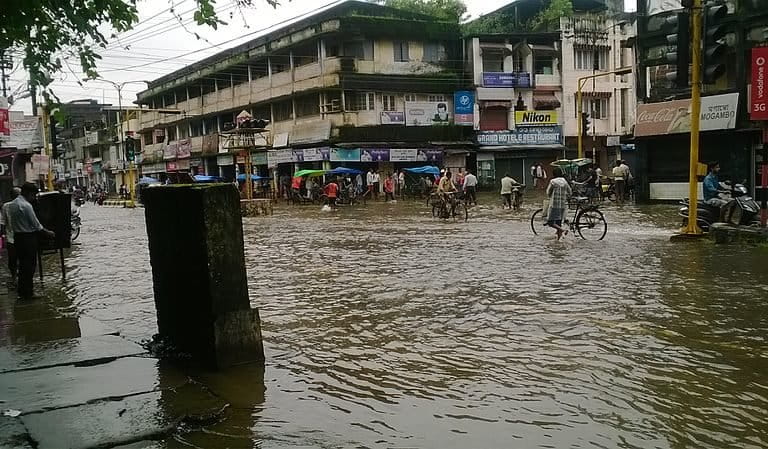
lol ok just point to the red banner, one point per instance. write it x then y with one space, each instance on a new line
5 122
758 107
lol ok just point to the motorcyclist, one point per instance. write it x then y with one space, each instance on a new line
712 189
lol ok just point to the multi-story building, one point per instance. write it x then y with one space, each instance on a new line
662 132
357 84
525 86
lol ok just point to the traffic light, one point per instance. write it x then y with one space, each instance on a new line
54 137
130 148
680 42
585 124
712 56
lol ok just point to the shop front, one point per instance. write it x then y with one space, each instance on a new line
662 141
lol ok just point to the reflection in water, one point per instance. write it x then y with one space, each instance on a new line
386 328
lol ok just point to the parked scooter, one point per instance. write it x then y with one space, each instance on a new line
740 209
75 223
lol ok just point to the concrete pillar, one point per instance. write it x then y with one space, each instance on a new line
198 268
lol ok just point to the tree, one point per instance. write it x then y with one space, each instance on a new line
448 10
505 21
548 19
48 33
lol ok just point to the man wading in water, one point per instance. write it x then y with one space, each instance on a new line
558 192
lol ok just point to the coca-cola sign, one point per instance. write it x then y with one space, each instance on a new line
673 117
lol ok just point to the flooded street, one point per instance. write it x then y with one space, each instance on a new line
384 327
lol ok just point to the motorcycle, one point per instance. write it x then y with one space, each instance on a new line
517 196
75 224
740 208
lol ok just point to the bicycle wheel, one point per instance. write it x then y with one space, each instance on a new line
536 220
435 210
591 224
460 212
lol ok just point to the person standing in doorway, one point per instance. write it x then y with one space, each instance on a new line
26 231
389 189
541 175
10 247
376 184
558 192
470 188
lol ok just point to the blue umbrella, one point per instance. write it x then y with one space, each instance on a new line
241 177
344 171
425 170
206 178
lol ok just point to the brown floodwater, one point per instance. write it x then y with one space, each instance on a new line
385 328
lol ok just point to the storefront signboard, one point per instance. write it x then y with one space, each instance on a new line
758 105
297 156
281 156
506 79
25 133
673 117
259 158
345 154
535 118
224 160
402 154
427 113
374 155
531 136
392 118
316 154
464 108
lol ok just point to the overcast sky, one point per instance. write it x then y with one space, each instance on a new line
159 44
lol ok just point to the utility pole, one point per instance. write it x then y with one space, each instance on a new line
693 184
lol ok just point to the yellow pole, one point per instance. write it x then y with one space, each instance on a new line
578 118
248 170
693 183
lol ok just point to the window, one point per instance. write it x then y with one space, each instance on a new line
261 112
493 60
590 59
239 75
193 91
624 103
433 52
435 98
597 108
279 63
171 133
401 51
181 94
305 54
210 125
359 101
282 110
307 105
196 128
410 97
388 103
518 63
184 131
147 137
543 64
259 69
359 49
169 99
209 85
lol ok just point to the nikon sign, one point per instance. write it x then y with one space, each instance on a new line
535 118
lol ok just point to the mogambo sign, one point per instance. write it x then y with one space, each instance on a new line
535 118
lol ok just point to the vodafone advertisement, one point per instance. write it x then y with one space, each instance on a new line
758 106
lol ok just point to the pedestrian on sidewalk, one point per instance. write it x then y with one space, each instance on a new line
389 189
558 192
26 231
7 231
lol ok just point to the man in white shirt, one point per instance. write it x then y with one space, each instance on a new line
26 229
376 184
369 181
507 183
470 188
7 231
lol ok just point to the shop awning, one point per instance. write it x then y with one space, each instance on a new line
301 173
425 170
496 104
592 94
344 171
241 177
545 101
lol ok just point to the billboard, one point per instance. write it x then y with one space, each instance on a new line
758 105
535 118
427 113
506 79
392 118
673 117
539 135
345 154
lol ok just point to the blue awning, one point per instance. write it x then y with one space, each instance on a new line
344 171
241 177
205 178
425 170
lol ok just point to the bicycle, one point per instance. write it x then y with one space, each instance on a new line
458 211
587 220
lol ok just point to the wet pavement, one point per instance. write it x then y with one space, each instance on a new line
384 327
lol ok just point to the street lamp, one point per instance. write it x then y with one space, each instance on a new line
131 169
581 82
